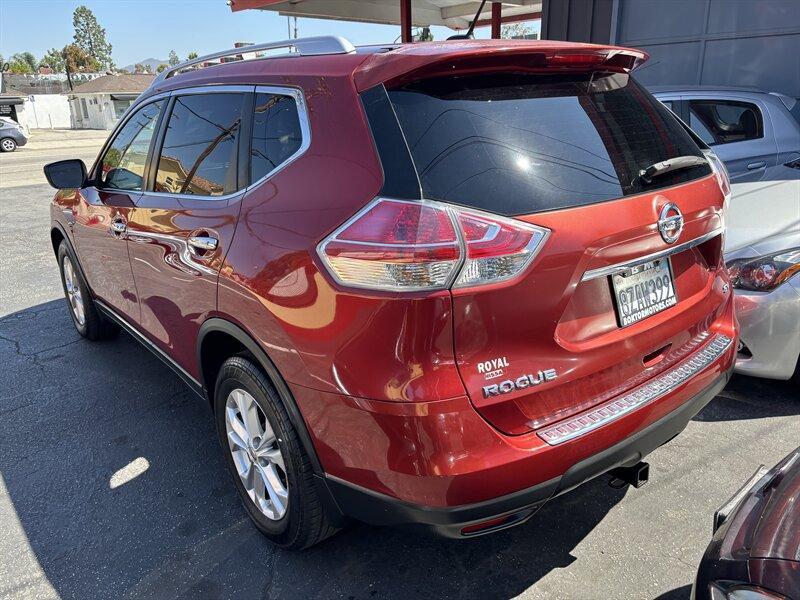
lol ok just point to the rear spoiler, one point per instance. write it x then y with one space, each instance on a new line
423 60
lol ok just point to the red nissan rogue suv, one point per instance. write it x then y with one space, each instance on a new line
431 285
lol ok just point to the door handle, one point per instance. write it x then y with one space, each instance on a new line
203 243
118 226
756 165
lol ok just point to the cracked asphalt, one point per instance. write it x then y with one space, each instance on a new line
112 483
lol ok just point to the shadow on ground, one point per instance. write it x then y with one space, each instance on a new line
753 398
74 413
681 593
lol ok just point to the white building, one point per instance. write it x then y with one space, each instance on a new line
99 103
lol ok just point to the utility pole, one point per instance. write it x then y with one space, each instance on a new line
295 27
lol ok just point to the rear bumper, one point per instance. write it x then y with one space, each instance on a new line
381 509
17 136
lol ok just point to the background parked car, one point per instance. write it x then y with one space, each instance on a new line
766 279
11 135
755 133
755 551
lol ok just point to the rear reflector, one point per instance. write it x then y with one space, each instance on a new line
398 245
490 524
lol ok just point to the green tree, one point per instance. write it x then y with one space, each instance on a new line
91 38
54 59
190 56
161 68
28 59
140 68
173 58
19 67
515 31
423 34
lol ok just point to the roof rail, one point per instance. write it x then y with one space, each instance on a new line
310 46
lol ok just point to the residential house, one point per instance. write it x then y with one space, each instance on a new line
99 103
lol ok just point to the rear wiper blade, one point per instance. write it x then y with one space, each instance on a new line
672 164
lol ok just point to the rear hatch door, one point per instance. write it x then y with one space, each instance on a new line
565 150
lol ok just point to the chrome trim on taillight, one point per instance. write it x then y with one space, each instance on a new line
656 388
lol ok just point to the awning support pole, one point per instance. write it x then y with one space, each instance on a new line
497 9
405 21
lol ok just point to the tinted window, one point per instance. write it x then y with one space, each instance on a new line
199 152
123 164
725 121
700 129
520 143
276 133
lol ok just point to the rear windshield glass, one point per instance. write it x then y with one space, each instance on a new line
522 143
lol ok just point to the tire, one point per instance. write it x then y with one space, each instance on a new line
303 522
85 316
8 145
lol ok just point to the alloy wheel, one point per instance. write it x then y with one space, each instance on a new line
73 292
256 455
7 145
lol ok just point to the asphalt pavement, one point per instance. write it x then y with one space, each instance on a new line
24 166
112 483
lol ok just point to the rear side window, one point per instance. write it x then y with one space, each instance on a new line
522 143
725 121
123 163
198 156
277 135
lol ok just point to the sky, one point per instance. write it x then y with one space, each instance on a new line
142 29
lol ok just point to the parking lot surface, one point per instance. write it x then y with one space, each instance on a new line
24 166
112 483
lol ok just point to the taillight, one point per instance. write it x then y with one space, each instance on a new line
496 249
398 245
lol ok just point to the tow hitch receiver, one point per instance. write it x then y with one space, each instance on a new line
637 476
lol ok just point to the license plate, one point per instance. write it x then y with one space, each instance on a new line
643 290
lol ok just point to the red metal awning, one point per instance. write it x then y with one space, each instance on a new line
455 14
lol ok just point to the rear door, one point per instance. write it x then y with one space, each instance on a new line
739 131
182 224
567 152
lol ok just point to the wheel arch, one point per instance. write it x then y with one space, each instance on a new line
230 339
58 235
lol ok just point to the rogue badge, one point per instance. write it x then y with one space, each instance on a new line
520 383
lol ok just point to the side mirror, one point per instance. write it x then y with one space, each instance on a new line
66 174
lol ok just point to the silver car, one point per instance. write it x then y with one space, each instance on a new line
766 279
757 135
11 135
